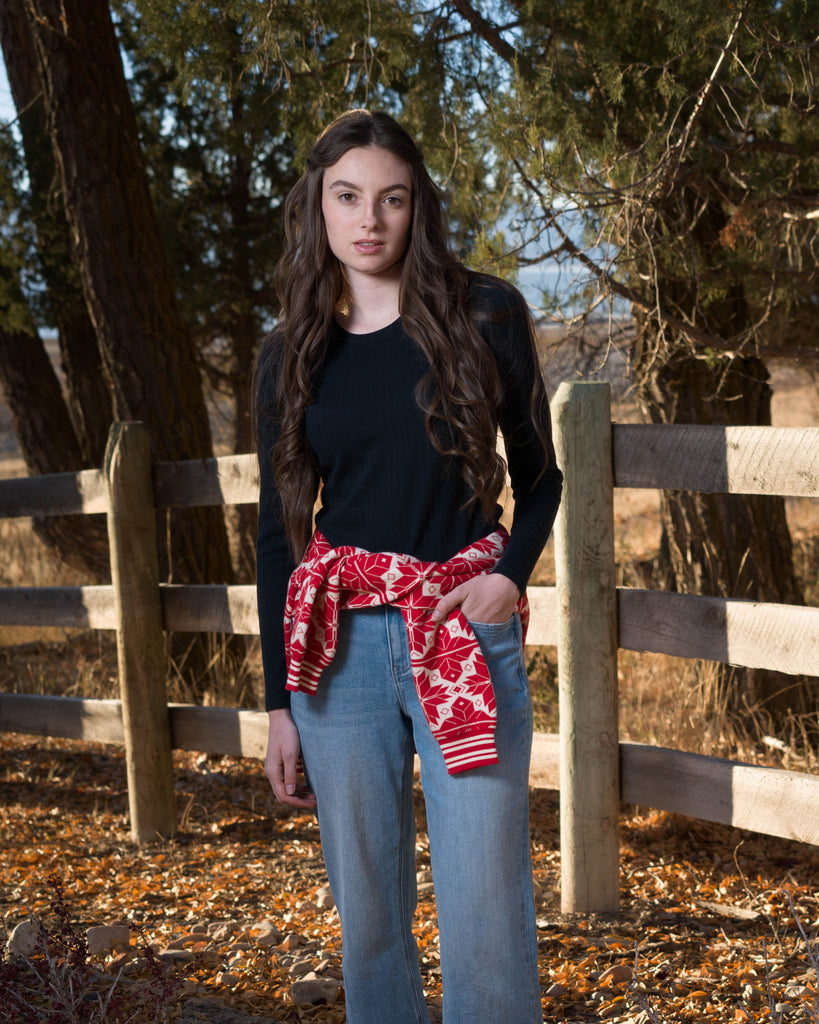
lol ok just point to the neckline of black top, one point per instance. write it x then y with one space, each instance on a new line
369 335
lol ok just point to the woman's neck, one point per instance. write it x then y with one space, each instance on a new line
368 306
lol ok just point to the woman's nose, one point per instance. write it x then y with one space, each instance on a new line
369 214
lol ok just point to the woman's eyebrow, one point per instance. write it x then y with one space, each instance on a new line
357 188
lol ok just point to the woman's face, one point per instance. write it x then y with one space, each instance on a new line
366 201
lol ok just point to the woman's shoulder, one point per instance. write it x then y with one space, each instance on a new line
493 296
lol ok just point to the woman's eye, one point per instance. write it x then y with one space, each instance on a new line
394 201
346 197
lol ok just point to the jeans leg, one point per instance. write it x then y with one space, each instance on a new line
481 855
358 753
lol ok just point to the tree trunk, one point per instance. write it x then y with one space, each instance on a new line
147 351
244 330
727 545
52 437
49 445
88 395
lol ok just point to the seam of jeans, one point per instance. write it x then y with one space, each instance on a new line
408 900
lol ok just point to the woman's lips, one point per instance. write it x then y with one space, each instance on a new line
365 245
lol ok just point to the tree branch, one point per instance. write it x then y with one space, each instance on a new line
487 31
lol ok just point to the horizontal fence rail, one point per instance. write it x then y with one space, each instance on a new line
747 460
57 494
772 801
715 460
781 637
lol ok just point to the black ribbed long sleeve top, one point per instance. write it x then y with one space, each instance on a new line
384 486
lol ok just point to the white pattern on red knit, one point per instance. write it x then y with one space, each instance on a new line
451 675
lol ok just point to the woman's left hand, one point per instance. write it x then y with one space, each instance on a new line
488 598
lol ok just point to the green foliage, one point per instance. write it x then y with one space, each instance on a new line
685 133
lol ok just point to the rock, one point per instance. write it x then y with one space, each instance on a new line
209 958
556 991
174 956
105 937
220 931
324 899
265 933
24 939
796 991
307 908
314 990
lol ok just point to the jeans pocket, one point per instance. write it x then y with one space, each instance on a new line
492 626
501 644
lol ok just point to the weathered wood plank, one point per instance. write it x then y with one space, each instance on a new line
544 769
234 731
587 651
97 721
543 616
210 608
56 494
775 636
81 607
767 800
711 459
229 480
140 640
782 637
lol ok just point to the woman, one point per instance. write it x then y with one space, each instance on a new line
384 384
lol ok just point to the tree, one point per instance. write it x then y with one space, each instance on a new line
685 136
227 103
220 164
147 352
53 437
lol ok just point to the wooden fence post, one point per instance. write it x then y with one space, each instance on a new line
140 638
587 651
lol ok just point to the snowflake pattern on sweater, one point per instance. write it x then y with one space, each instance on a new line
451 676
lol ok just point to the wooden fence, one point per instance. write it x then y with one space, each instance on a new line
585 615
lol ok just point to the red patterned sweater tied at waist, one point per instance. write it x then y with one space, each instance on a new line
451 675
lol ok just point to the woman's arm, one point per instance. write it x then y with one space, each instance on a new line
274 564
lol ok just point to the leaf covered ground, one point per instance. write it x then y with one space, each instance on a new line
712 918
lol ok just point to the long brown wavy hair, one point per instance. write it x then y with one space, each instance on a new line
461 394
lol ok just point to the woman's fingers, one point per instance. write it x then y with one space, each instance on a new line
281 763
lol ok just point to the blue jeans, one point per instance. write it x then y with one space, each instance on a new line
358 734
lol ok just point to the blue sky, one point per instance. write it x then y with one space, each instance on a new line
6 106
